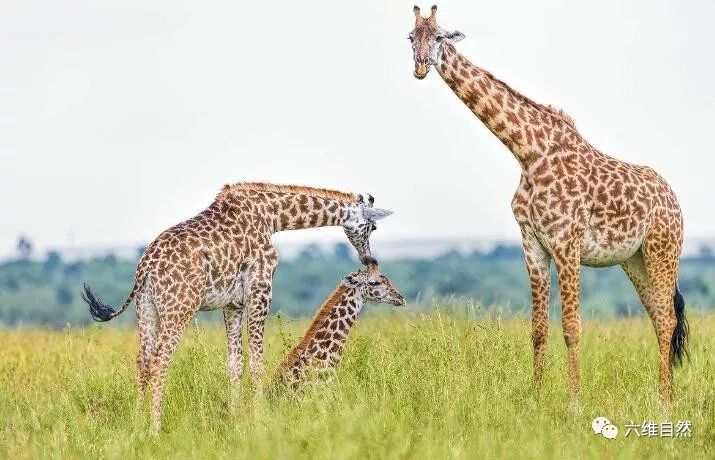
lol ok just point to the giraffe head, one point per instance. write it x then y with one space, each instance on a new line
374 286
428 40
361 223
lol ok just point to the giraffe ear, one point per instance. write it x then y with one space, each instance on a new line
375 213
455 36
352 280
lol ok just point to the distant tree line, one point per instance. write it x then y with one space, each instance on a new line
47 292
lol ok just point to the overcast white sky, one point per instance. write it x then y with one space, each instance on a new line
120 119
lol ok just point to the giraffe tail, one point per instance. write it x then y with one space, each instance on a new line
103 312
679 342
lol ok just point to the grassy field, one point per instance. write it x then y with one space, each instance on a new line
432 386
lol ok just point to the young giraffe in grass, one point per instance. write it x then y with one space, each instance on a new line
224 258
321 347
574 205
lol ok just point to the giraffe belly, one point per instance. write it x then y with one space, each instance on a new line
598 251
218 296
215 301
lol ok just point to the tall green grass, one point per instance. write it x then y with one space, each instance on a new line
410 386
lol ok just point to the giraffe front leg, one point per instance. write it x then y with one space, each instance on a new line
258 307
568 269
538 263
233 319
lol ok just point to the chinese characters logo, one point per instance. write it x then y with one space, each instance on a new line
646 429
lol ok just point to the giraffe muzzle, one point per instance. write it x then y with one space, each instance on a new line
421 71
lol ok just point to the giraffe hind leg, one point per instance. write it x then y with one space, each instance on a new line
167 341
147 326
174 315
655 282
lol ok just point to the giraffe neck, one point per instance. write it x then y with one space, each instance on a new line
322 345
286 208
525 127
298 211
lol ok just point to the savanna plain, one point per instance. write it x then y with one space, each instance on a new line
440 384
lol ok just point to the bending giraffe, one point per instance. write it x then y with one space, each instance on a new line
224 258
320 350
574 205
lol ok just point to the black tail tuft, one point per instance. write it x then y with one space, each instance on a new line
98 310
679 342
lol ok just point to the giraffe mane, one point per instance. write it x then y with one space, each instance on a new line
229 189
315 324
564 116
554 111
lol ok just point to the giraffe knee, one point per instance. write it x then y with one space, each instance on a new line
572 337
235 368
538 338
256 368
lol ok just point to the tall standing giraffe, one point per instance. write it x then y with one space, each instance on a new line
224 258
574 205
321 347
